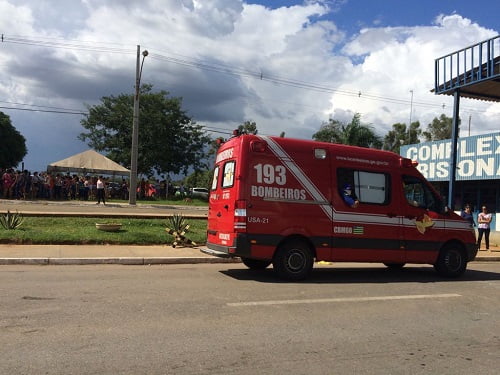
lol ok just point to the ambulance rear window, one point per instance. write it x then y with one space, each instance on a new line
215 178
228 174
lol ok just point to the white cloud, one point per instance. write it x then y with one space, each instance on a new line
398 60
18 18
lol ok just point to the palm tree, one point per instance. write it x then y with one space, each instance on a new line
354 133
399 135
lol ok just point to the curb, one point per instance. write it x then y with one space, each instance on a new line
138 261
487 259
123 261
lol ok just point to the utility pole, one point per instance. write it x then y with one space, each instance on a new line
132 198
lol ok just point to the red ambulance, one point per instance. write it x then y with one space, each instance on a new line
286 202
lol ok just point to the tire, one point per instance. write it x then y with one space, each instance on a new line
256 264
293 261
394 266
451 261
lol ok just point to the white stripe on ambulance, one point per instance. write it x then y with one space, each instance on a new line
306 183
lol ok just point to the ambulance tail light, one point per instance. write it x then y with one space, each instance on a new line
240 216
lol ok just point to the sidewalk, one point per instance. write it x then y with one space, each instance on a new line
127 255
104 254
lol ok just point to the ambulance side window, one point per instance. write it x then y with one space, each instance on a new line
228 174
369 187
215 178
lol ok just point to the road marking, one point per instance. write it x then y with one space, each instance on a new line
346 299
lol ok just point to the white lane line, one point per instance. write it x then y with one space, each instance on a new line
346 299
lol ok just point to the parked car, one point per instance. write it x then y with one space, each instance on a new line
197 192
114 189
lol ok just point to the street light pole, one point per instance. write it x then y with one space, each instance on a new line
411 111
135 129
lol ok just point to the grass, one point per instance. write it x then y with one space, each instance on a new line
68 230
166 202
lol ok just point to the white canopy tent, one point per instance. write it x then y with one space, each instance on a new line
88 162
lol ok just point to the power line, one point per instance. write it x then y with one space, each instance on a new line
215 67
43 110
220 132
65 44
235 71
41 106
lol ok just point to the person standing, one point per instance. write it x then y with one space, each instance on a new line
467 215
483 227
100 191
8 180
124 190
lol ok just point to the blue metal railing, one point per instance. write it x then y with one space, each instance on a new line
469 65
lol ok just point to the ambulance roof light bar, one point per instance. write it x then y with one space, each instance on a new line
407 163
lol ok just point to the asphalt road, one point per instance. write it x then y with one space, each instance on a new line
225 319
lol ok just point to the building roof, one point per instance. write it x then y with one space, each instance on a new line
474 71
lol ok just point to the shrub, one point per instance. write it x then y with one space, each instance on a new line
11 221
179 228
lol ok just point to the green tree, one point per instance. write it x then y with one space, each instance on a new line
399 136
248 127
13 149
354 133
415 133
199 179
439 129
169 140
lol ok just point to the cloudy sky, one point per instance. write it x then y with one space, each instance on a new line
287 65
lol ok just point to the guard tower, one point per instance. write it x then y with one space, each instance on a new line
472 72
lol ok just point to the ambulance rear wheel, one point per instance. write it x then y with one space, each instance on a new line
256 264
451 261
293 260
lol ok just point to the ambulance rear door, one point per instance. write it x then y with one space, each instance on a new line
224 196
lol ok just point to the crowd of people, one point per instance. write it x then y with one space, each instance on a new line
15 184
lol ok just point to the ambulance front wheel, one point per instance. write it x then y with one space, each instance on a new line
451 261
255 264
293 260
